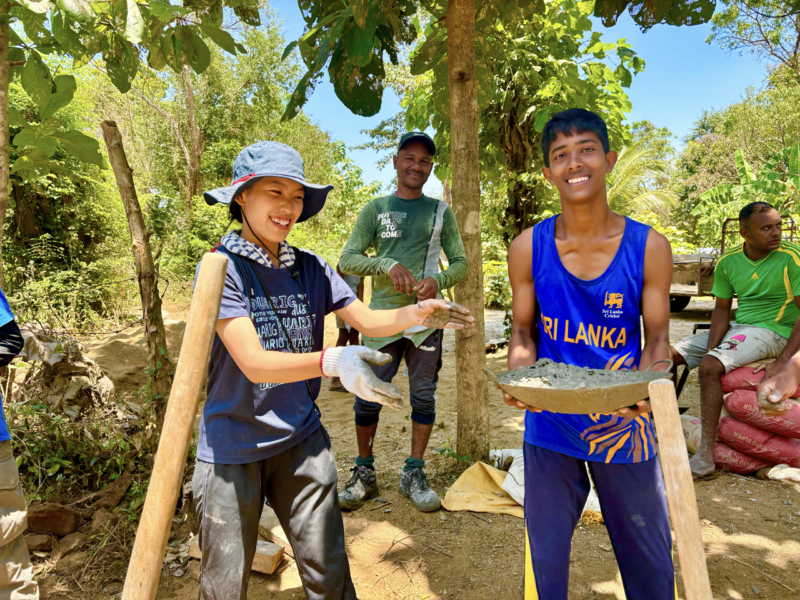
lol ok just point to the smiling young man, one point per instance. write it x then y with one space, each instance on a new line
580 283
408 231
260 433
764 273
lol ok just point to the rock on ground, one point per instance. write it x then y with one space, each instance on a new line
50 517
194 570
114 493
71 544
39 542
103 520
72 564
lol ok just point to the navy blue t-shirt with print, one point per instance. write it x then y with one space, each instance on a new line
245 422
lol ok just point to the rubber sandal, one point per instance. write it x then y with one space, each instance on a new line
710 477
339 388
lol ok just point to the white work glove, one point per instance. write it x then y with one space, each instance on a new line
350 365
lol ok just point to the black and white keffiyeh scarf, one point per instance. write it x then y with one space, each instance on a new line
235 243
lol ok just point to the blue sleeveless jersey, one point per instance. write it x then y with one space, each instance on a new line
593 324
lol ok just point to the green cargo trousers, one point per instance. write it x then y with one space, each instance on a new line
16 571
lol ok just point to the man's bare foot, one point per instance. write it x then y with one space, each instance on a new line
702 464
336 384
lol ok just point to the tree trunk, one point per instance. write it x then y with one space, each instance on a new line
473 409
196 137
25 211
520 145
5 142
158 356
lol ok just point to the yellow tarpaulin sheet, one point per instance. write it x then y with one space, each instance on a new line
478 489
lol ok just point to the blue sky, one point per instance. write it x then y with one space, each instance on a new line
684 76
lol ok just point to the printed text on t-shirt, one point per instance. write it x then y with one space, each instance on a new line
391 220
297 324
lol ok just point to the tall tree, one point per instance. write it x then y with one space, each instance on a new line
529 64
769 29
352 39
118 33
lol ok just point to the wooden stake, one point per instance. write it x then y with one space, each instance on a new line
680 490
165 483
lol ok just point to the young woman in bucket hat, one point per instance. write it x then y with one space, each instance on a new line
260 434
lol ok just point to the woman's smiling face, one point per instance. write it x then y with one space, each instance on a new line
271 207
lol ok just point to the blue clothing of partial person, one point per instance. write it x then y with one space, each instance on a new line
596 324
245 422
6 316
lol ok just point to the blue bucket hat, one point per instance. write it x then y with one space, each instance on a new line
270 159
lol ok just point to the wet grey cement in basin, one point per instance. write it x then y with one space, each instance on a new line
557 387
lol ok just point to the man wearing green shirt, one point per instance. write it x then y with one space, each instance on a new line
764 273
408 230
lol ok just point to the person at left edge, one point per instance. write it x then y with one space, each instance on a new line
16 570
260 434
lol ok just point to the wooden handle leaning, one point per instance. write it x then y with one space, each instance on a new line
679 488
144 568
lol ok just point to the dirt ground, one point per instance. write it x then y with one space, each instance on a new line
751 528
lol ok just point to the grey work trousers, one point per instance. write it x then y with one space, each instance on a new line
300 484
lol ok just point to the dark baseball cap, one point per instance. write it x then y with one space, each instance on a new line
417 136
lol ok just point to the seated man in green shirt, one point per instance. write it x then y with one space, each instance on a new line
764 273
408 230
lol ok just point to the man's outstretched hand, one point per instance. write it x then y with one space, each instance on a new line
441 314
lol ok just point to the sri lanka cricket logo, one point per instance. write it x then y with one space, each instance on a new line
613 300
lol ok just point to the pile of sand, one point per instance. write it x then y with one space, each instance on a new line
123 357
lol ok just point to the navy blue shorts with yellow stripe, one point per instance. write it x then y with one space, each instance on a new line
634 509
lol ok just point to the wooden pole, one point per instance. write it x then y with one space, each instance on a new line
679 488
158 355
144 569
473 397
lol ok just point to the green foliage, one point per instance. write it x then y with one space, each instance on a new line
351 40
496 286
768 29
678 238
630 185
530 63
777 183
66 247
448 452
36 143
121 32
646 15
327 233
352 37
55 457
